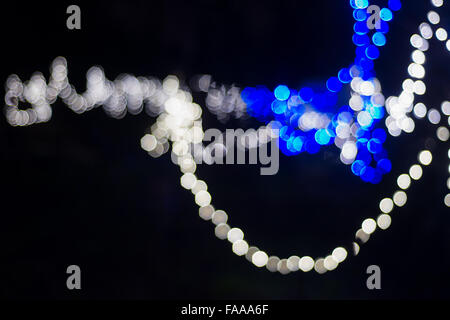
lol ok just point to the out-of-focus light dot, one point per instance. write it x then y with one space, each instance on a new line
368 174
367 88
349 150
419 87
442 133
374 146
404 181
379 39
400 198
416 41
356 102
278 106
148 142
360 15
425 45
384 165
319 266
272 264
372 52
260 258
418 57
369 225
322 137
406 98
339 254
416 172
447 44
448 183
344 75
240 247
333 84
203 198
386 14
445 107
394 130
378 99
408 86
420 110
447 199
425 157
199 185
416 70
282 92
330 263
441 34
355 83
361 4
343 131
206 212
187 164
386 205
180 148
219 217
282 266
362 236
433 17
408 125
298 143
364 118
384 221
306 263
221 231
426 31
437 3
355 249
235 234
250 252
434 116
170 85
292 263
188 180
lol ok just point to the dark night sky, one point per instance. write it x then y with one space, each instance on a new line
80 190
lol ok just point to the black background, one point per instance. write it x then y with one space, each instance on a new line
80 190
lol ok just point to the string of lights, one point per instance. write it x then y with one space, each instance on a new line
178 126
306 120
234 235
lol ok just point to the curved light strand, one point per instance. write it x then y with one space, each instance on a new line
178 125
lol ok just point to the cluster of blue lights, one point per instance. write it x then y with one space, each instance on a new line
284 107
